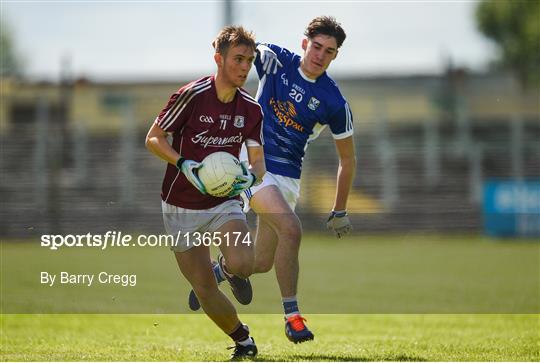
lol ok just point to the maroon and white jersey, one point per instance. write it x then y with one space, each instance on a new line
201 125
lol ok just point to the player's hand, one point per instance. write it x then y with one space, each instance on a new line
189 168
339 222
269 59
244 181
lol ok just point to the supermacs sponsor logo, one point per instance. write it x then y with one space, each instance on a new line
216 141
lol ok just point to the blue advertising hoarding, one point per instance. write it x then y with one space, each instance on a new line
511 208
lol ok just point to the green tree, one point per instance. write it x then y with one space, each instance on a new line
514 25
10 62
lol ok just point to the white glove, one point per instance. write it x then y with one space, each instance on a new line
269 59
339 222
189 168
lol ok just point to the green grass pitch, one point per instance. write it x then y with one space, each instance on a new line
344 337
367 298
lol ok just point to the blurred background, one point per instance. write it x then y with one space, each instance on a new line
445 98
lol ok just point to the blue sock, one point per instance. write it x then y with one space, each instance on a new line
220 277
290 306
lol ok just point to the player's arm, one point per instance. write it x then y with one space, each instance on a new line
345 173
157 144
256 160
341 124
338 221
172 119
252 176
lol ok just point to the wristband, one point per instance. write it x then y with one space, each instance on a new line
179 162
339 213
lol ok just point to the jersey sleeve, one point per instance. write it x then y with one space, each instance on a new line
255 137
284 56
176 113
341 122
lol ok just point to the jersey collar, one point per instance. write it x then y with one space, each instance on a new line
304 76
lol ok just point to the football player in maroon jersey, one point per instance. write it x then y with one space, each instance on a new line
205 116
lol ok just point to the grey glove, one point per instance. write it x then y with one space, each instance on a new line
244 181
189 168
339 222
269 59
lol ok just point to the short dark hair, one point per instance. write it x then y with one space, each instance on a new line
326 25
232 36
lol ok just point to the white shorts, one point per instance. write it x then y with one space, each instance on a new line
179 221
289 187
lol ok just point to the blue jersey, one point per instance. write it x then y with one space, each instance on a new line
296 110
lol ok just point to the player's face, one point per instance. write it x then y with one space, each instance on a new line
235 65
319 52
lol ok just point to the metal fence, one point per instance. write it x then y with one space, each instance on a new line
424 173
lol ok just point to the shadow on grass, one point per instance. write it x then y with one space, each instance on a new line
343 358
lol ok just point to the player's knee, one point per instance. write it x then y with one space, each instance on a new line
241 267
205 291
291 229
262 266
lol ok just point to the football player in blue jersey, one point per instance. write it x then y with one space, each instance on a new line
299 100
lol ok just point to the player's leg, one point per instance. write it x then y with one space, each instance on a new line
236 260
266 241
275 214
237 248
266 244
265 253
195 265
277 241
264 260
